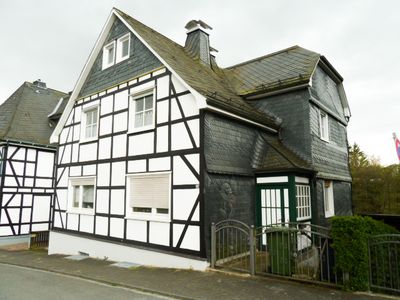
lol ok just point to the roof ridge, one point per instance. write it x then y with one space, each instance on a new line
267 55
142 24
47 88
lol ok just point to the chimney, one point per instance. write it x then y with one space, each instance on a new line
197 42
40 84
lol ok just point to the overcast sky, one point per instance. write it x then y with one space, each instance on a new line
52 40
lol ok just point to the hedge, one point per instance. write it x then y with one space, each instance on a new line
350 241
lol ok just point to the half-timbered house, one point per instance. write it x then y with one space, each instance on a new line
27 161
157 141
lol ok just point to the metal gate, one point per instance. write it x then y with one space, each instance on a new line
384 262
298 250
232 246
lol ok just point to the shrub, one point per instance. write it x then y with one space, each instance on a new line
350 242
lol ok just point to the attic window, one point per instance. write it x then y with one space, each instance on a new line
109 55
123 47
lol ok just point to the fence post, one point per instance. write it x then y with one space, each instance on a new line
252 250
213 246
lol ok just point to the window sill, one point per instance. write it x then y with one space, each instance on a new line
303 219
140 129
324 139
82 211
143 217
121 59
329 214
85 141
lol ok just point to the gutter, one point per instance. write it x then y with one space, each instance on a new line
25 143
277 92
234 116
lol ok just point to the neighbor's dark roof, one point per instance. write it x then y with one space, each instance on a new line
286 68
280 158
23 116
213 84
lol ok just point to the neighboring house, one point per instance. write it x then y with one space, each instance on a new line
156 142
27 161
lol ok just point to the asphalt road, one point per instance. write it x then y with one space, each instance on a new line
24 283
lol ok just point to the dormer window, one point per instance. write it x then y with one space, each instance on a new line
123 47
109 55
323 125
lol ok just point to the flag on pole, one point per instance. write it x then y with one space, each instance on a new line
397 143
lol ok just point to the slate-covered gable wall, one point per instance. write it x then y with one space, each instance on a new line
325 90
140 61
293 109
330 159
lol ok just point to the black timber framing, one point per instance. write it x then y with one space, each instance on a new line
22 188
63 165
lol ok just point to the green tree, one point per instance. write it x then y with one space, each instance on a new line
376 189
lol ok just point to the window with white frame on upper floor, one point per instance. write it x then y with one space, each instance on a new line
123 48
142 111
81 193
108 55
323 125
149 196
90 123
303 202
328 199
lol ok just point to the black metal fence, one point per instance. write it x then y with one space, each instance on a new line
384 262
39 239
298 250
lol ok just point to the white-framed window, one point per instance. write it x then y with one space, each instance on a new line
303 202
90 120
142 111
81 194
149 196
123 47
323 125
328 199
109 55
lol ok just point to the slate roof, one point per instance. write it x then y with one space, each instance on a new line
279 158
212 83
286 68
23 116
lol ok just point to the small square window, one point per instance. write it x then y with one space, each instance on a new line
328 199
143 112
123 47
109 55
323 126
82 191
90 123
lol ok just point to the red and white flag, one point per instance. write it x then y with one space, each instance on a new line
397 143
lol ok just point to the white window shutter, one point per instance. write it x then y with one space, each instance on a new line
150 191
